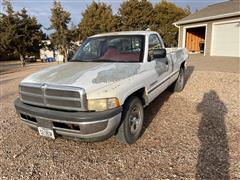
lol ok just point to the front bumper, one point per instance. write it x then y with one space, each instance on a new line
89 126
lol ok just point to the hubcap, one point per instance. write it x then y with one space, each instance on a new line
135 120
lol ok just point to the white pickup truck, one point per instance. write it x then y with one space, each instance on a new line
102 91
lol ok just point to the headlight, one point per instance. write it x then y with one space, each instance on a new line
102 104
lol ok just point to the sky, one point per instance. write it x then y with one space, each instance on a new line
41 8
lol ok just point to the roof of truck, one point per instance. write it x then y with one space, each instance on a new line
124 33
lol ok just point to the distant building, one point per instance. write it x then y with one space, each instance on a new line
215 30
48 53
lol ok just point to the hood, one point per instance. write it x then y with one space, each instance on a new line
85 74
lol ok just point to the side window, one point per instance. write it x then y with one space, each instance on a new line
154 43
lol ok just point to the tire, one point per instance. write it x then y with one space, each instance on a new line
179 84
132 121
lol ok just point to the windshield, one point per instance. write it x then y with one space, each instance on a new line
127 48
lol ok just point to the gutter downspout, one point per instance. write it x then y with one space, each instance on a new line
178 33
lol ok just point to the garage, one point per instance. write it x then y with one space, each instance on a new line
212 31
195 39
226 39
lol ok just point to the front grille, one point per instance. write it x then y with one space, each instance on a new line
55 92
31 98
34 90
66 103
53 96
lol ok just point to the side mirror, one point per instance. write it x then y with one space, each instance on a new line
159 53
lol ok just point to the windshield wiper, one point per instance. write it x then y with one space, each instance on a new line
74 60
79 60
94 60
103 60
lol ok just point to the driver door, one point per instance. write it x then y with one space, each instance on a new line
162 67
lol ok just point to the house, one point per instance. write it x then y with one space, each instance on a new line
214 30
48 53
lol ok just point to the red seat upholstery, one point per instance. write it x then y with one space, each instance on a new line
114 54
110 53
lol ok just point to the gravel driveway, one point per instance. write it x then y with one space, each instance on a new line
192 134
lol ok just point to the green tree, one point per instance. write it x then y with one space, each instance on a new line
97 18
8 28
165 14
74 32
29 34
136 14
61 37
19 33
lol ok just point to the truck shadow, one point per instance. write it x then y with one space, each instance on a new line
213 156
154 107
189 72
151 111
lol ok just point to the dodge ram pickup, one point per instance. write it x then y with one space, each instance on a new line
103 89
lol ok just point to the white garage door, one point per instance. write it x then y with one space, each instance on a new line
226 39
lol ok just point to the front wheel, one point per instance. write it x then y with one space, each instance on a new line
132 121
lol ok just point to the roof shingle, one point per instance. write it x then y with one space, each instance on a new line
215 11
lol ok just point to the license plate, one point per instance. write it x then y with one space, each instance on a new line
46 132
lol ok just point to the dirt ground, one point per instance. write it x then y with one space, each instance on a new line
187 135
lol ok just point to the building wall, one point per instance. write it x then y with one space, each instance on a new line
208 36
180 36
208 39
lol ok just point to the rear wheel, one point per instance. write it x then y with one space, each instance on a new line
178 85
132 121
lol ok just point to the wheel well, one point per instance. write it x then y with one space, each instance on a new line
140 94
